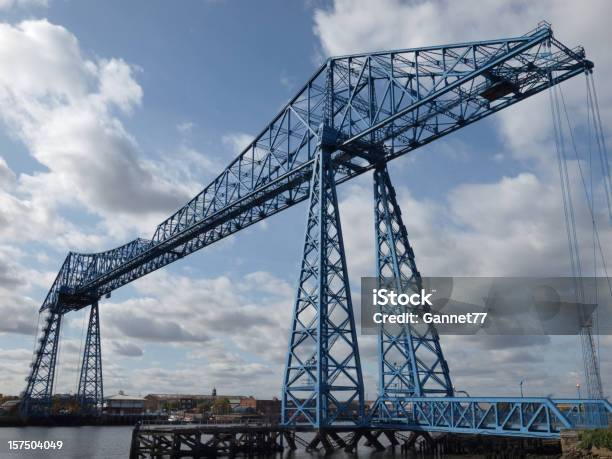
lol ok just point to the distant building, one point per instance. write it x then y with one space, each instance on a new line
268 408
186 402
9 406
124 404
234 401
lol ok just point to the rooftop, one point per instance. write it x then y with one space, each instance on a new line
194 396
124 397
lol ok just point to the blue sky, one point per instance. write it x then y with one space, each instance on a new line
115 113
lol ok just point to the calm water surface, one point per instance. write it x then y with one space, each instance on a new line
103 442
79 442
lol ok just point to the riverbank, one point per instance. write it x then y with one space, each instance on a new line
77 421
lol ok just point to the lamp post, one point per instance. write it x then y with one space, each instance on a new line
521 385
578 389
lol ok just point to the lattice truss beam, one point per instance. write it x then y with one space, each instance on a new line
378 105
525 417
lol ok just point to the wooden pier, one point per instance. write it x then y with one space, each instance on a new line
204 441
232 440
200 441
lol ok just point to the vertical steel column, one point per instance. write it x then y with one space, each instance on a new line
90 393
37 398
411 363
323 384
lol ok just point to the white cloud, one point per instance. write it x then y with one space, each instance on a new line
513 227
186 126
237 141
354 26
16 282
180 309
127 349
68 118
287 81
7 4
7 176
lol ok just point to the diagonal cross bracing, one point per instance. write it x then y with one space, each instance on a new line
393 101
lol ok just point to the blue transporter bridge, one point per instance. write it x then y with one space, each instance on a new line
355 114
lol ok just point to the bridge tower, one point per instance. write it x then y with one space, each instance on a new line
323 384
411 362
90 392
38 395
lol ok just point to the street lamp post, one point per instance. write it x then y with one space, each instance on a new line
521 384
578 389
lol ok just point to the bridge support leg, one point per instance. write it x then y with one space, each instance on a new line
323 381
373 441
411 362
38 396
91 393
391 437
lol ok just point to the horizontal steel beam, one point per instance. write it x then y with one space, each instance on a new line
537 417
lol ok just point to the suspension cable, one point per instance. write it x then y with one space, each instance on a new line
590 355
589 198
593 105
565 191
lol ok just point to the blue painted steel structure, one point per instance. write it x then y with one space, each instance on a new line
411 362
91 391
507 416
323 384
355 114
37 397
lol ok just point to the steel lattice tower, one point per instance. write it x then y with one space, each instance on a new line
91 393
323 382
40 381
411 362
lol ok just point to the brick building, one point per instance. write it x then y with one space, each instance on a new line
268 408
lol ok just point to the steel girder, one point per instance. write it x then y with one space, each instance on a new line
411 362
323 384
37 398
507 416
387 102
91 388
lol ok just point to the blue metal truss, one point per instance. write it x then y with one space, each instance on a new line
379 106
411 362
323 384
376 107
91 387
507 416
37 397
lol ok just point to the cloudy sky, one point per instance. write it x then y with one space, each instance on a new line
113 114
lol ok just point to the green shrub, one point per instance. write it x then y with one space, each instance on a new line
600 438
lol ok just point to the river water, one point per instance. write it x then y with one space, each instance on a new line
99 442
107 442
